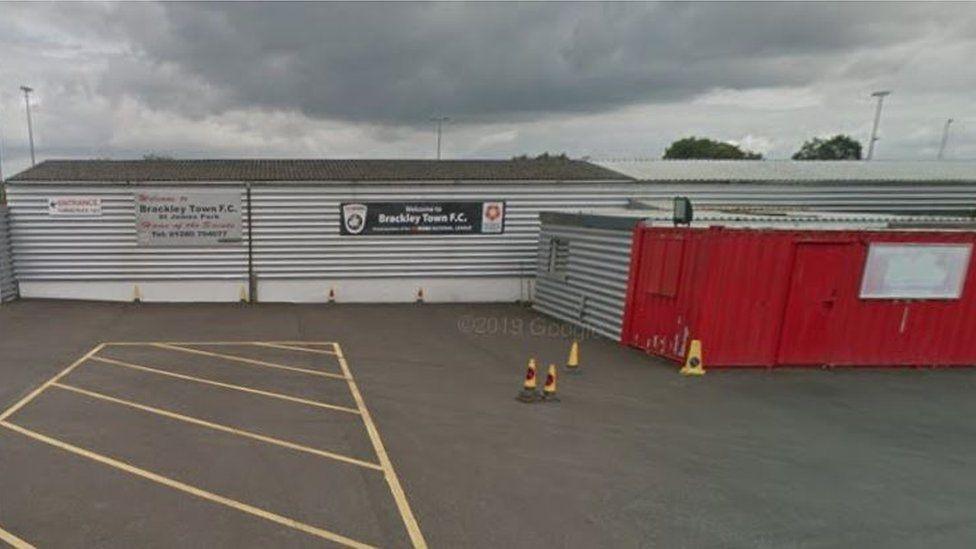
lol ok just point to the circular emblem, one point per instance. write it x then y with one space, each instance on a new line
493 212
355 222
354 218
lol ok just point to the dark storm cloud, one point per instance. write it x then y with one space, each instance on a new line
400 63
360 80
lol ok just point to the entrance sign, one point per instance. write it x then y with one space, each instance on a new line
915 271
188 219
74 206
422 218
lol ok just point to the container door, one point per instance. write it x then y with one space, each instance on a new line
655 327
810 322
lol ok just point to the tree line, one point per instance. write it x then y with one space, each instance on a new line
838 147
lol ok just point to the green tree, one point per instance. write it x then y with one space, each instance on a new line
544 156
704 148
838 147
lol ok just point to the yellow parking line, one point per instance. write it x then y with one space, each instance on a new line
413 528
219 427
33 394
291 348
314 343
225 385
183 487
245 360
13 540
242 342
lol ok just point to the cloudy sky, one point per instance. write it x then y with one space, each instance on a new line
590 79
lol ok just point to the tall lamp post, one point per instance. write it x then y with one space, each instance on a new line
1 160
877 120
945 138
440 121
30 126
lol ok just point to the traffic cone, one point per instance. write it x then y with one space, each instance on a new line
332 294
572 363
693 362
529 393
549 389
420 295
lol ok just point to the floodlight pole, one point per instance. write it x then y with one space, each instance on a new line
945 138
440 121
877 120
30 126
1 155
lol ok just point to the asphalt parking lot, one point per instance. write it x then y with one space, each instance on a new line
385 425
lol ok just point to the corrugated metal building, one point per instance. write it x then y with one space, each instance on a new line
894 186
581 274
8 285
298 251
584 258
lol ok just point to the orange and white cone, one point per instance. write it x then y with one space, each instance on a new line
549 389
529 393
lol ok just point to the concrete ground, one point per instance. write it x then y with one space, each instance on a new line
634 455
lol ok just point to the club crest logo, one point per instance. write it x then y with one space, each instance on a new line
492 217
354 218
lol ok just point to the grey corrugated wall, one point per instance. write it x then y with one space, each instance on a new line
8 285
592 290
104 248
920 198
296 231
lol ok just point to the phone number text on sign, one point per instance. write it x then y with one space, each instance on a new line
187 219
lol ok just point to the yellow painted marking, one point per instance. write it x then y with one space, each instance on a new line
219 427
292 348
13 540
242 342
33 394
225 385
244 360
413 528
183 487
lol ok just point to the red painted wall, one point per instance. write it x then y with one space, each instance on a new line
787 297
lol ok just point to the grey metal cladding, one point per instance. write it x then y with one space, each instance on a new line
592 290
296 230
296 226
798 172
8 284
104 248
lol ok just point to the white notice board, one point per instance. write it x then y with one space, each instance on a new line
915 271
188 219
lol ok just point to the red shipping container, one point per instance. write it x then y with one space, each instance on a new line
785 297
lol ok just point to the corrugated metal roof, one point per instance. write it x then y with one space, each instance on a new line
795 171
554 169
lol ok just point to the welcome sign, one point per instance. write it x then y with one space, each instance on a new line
421 218
186 219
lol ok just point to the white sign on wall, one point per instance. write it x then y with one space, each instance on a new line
915 271
167 218
74 206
